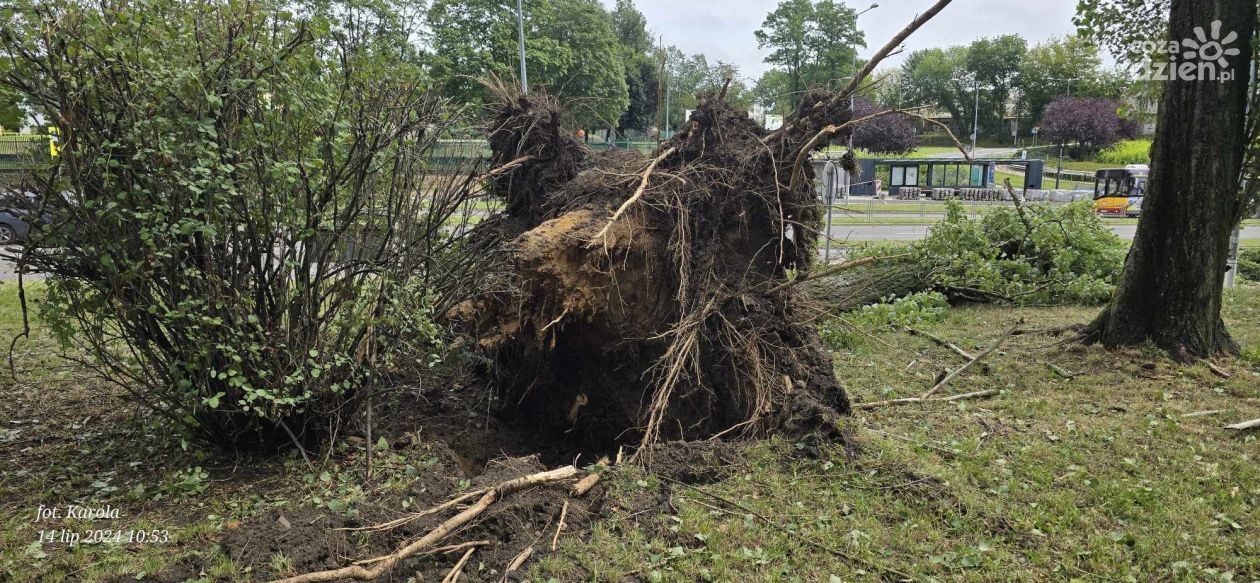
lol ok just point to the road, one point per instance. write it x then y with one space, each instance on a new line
913 232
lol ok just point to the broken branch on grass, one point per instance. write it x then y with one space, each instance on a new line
1061 371
963 396
942 342
387 562
638 193
1253 424
987 351
1218 371
1203 413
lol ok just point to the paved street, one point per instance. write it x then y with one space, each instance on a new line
912 232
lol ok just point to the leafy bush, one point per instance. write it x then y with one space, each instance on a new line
249 233
1127 152
1249 264
912 310
1067 256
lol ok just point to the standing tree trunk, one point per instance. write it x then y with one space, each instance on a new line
1171 286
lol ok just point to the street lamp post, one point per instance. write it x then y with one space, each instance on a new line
975 119
520 34
1058 172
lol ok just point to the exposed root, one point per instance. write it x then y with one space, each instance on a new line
638 193
387 562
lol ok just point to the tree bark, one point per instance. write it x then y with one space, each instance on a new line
1171 286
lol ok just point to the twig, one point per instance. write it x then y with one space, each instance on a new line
1203 413
1218 371
941 341
1060 371
564 511
1254 423
453 575
450 525
991 348
433 551
638 193
827 131
974 395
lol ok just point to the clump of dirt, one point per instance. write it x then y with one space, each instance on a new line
652 298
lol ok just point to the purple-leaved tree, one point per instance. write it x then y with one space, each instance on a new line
1090 122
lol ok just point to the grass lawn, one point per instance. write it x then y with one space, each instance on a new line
1098 477
1101 476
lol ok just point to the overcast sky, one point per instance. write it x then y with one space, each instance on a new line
723 29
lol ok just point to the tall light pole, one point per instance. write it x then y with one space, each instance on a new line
975 119
855 72
520 35
1058 172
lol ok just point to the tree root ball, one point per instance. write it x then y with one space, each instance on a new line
646 298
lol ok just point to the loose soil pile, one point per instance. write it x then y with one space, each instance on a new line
651 297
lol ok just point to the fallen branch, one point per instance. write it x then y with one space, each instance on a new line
453 575
963 396
434 551
826 132
942 342
1218 371
638 193
397 522
991 348
1204 413
387 562
1061 371
1253 424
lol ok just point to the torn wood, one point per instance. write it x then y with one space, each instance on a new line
1204 413
987 351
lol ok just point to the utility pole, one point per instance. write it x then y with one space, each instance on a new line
520 34
975 120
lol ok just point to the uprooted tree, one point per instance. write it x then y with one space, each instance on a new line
654 297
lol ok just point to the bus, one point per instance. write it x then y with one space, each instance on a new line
1118 192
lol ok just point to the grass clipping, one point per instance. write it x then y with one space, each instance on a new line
649 299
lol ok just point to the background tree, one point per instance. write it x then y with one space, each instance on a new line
1170 291
1090 123
11 112
814 44
888 134
1046 67
570 46
930 77
641 68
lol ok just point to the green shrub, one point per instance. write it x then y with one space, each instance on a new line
1127 152
250 233
1249 264
912 310
1068 256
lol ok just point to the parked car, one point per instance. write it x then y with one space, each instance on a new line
12 229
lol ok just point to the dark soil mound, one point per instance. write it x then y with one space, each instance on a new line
650 299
